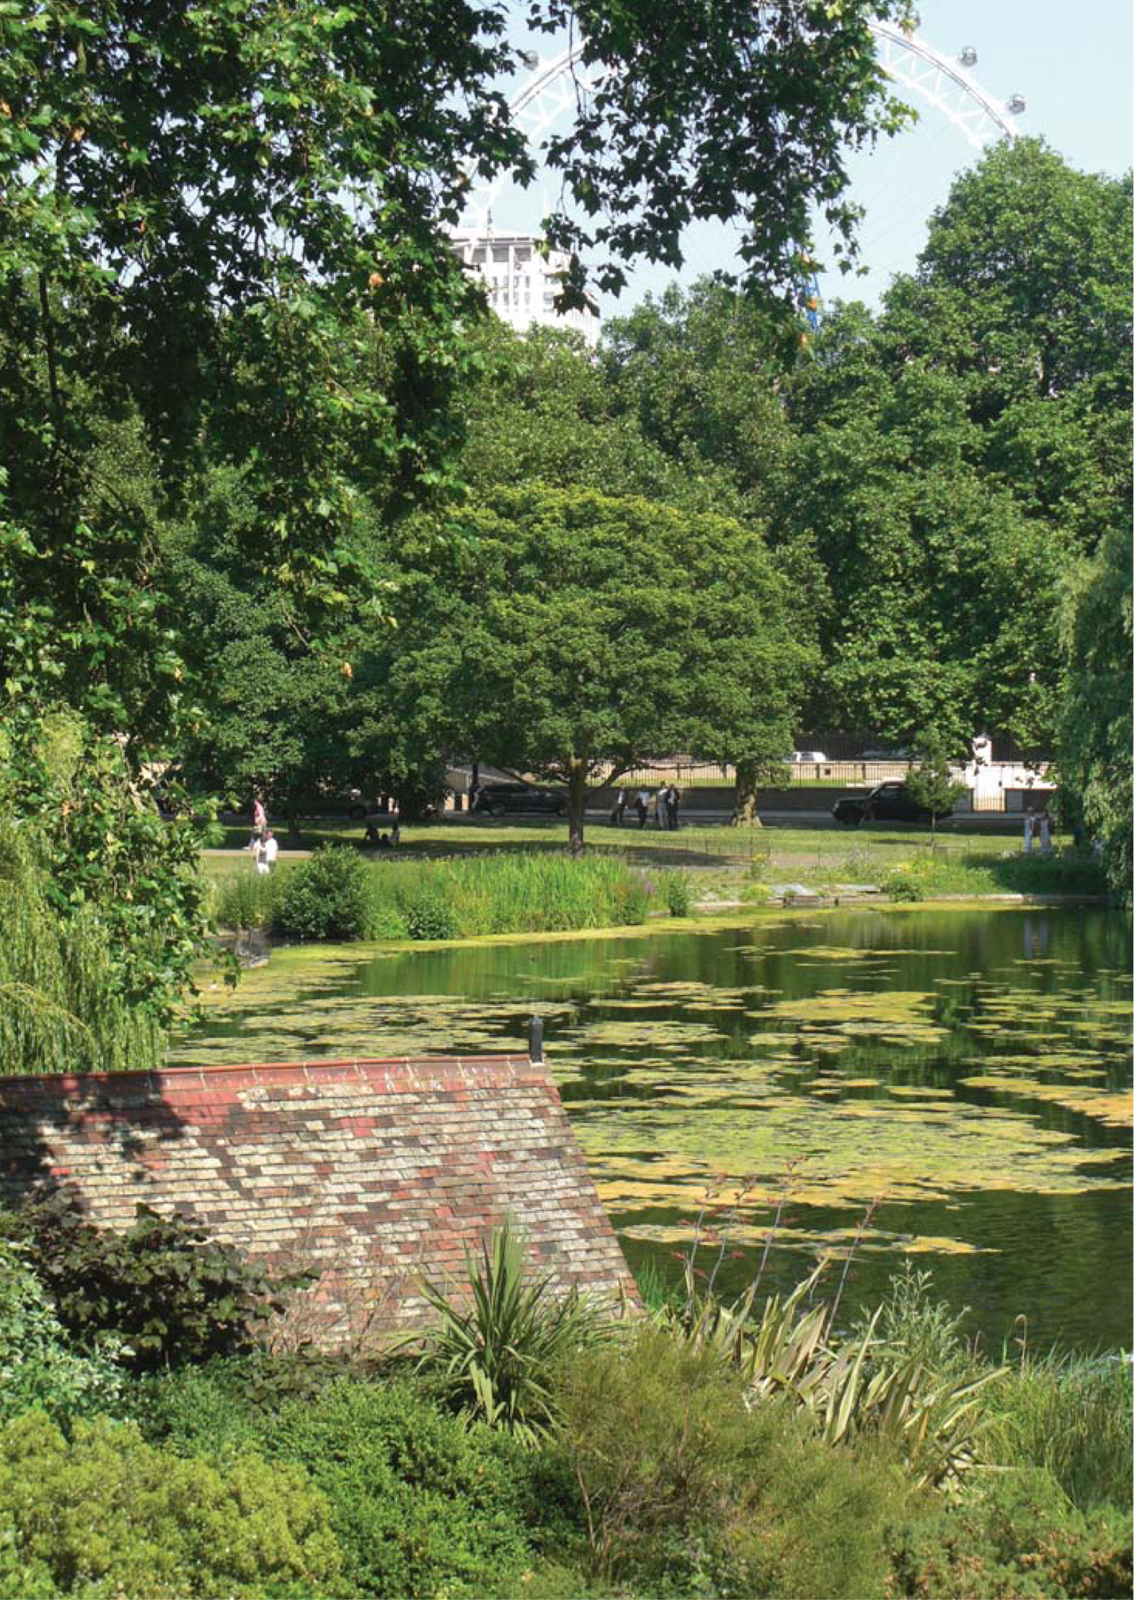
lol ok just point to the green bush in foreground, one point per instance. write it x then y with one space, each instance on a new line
421 1503
1014 1537
683 1486
39 1367
109 1515
162 1286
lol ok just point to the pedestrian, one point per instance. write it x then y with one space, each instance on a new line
672 801
642 806
1029 829
259 822
1045 833
659 808
618 809
266 852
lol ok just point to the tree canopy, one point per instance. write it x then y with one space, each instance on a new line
577 634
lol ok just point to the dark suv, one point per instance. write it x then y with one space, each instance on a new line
497 799
888 802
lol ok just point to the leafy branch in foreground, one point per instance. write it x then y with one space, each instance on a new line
496 1358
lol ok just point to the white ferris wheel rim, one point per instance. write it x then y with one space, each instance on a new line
908 60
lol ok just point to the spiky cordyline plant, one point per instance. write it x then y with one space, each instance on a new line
495 1358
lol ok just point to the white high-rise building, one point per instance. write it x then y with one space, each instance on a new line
522 283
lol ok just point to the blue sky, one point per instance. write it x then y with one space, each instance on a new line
1074 68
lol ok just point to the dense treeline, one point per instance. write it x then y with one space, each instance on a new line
932 486
284 506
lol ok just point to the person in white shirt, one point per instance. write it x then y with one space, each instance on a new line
267 851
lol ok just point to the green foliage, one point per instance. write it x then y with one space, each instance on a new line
1073 1418
496 1345
338 894
245 900
420 1503
162 1286
39 1366
678 890
707 119
1015 1536
429 914
602 630
912 1325
1096 730
847 1389
61 1005
930 779
324 897
109 1514
683 1485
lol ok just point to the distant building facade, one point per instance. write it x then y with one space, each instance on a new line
521 283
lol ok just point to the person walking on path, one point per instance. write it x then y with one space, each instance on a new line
672 801
1029 830
618 809
642 806
1044 834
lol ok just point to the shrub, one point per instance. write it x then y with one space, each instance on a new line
495 1359
221 1404
678 894
420 1503
1016 1536
169 1291
682 1484
325 897
112 1511
429 915
38 1365
247 899
1072 1417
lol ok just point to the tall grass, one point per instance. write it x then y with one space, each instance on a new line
509 892
60 1010
1072 1416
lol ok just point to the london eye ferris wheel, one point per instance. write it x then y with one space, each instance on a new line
896 187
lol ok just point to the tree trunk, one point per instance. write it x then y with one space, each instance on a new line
747 781
576 804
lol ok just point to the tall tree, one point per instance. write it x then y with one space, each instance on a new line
1096 731
224 225
580 634
957 454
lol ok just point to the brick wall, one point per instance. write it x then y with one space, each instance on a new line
373 1172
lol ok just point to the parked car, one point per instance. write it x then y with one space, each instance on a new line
887 802
498 798
801 757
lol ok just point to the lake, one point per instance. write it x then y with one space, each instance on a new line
948 1085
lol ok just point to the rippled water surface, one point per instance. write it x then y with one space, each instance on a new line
949 1083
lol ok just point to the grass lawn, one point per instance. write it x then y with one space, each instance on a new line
733 863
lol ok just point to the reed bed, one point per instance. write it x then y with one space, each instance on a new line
336 894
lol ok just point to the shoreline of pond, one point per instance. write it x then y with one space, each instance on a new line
733 913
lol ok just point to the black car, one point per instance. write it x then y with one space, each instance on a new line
497 799
888 802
